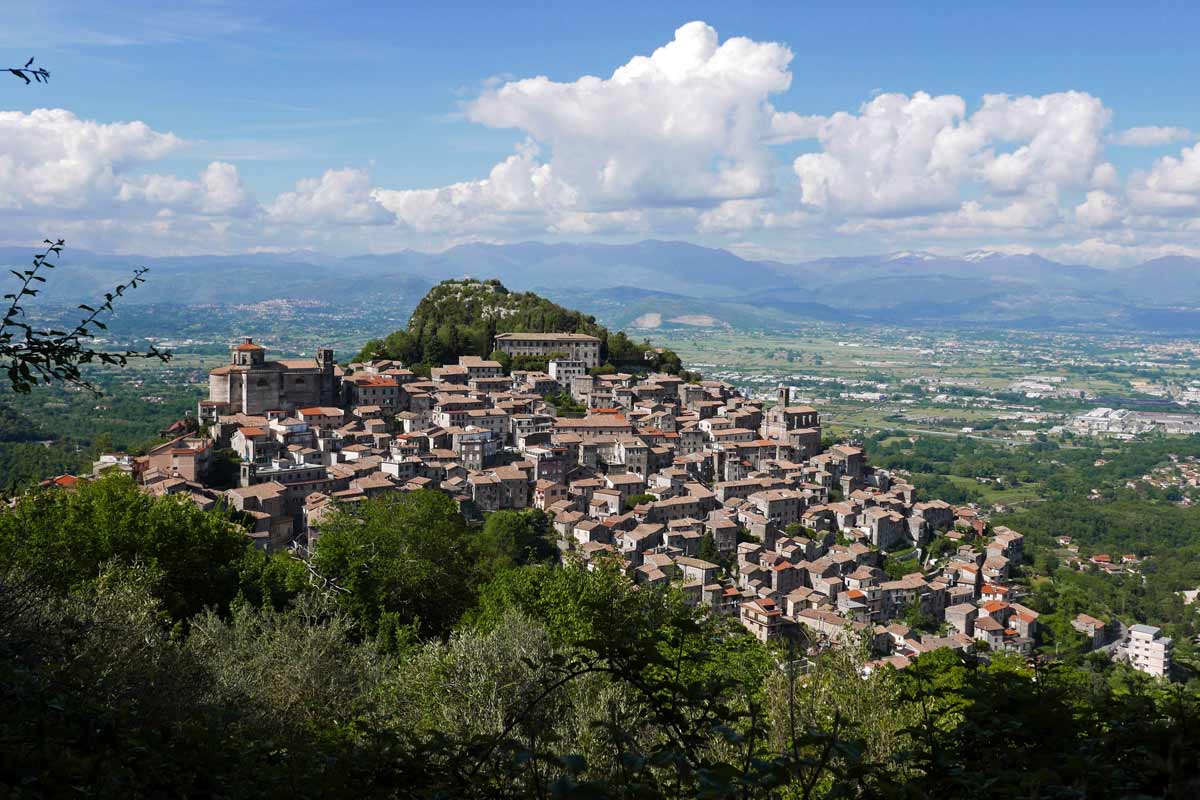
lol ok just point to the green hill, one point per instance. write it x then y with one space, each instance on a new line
462 317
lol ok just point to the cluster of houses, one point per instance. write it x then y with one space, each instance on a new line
742 506
1122 423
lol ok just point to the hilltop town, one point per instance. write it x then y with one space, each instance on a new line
741 504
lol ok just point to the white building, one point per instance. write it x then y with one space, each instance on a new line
564 370
575 346
1148 650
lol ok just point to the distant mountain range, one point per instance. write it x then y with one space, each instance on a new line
656 284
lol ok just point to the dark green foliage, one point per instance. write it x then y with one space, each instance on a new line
938 487
512 539
403 556
63 538
270 579
900 564
224 471
637 499
102 701
578 606
565 405
147 651
917 619
568 683
1072 734
16 426
25 463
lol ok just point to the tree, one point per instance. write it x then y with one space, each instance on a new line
503 358
635 500
512 539
28 72
917 618
64 538
398 561
32 355
312 643
565 405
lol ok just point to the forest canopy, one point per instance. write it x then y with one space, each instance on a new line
148 650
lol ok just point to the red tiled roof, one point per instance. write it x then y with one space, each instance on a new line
373 380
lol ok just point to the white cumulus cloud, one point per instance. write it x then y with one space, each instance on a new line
1152 136
340 196
903 156
1170 186
218 191
518 191
50 157
1099 210
686 127
686 141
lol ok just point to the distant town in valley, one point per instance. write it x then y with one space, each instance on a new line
753 487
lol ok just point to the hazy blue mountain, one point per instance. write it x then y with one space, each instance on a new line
682 284
81 276
635 309
666 266
1172 281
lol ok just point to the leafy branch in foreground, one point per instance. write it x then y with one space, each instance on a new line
25 73
34 355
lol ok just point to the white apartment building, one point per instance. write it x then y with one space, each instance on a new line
565 370
1148 650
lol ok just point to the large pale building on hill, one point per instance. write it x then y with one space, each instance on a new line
249 384
575 346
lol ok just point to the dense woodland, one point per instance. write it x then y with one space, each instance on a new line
146 650
462 317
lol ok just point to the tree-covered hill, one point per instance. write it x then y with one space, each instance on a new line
462 317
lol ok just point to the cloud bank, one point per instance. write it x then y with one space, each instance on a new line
686 142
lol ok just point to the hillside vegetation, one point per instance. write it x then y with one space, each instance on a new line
462 317
148 650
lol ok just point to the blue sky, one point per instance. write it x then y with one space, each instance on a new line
296 126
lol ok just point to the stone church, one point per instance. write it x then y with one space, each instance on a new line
249 384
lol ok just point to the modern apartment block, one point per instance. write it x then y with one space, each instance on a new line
1148 650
